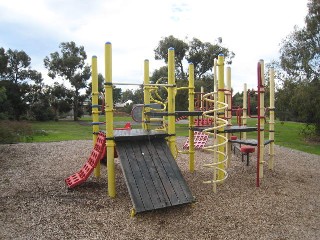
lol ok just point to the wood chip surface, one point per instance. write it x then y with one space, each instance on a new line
36 204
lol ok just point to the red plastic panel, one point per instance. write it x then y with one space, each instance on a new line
200 140
74 180
94 158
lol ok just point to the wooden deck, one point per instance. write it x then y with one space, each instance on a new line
152 175
138 134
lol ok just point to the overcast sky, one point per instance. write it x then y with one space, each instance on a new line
252 29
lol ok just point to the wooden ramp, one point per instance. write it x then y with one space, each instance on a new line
152 175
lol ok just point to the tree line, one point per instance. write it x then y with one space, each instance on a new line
23 94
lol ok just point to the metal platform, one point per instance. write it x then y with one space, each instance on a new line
176 113
228 129
152 175
250 142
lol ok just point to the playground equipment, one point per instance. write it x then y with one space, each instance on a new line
96 155
220 157
200 140
150 171
246 150
147 156
260 142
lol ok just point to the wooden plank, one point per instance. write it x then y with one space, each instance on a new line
150 167
152 176
142 159
174 178
174 166
133 177
165 174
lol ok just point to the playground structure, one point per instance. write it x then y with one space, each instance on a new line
147 156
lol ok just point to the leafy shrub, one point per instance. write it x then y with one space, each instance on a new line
42 112
14 131
309 133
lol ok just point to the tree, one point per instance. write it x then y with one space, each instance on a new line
15 104
70 65
3 95
60 99
100 85
18 66
17 78
3 98
117 92
3 62
180 49
300 59
201 54
127 95
138 95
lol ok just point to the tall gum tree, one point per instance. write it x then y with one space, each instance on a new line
300 59
69 64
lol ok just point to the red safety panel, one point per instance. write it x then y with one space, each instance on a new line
97 153
74 180
203 122
200 140
94 158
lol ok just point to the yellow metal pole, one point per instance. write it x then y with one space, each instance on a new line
229 113
109 120
221 99
191 118
261 162
201 99
215 132
271 120
171 102
245 107
95 107
146 94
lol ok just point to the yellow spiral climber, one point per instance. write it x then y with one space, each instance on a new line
220 141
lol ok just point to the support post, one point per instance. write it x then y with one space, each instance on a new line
191 118
95 107
229 113
109 120
260 121
202 104
221 148
244 110
171 102
215 124
271 120
146 95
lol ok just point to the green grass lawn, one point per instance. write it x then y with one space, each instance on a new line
60 131
286 133
64 130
